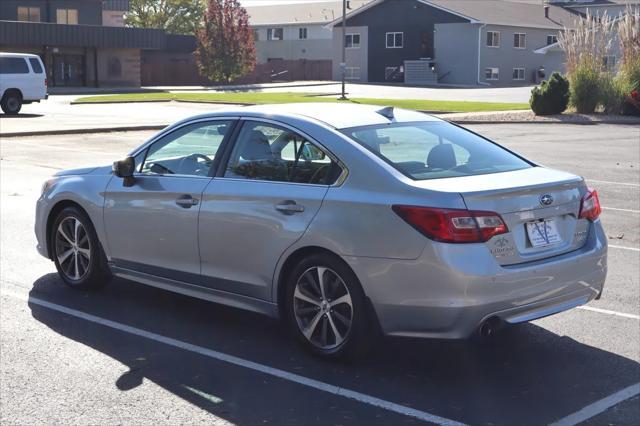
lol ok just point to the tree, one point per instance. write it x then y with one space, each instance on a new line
225 46
173 16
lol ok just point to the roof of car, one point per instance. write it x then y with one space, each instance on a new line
17 55
337 115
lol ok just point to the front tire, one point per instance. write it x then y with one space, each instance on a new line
326 308
77 252
11 102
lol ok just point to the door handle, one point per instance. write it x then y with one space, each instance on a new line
187 201
289 207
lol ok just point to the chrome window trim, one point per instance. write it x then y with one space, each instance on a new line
155 138
339 181
181 176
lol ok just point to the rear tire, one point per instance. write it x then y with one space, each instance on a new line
326 308
77 252
11 102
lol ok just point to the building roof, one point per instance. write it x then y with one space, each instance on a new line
584 3
300 13
519 13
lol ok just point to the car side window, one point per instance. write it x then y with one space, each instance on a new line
272 153
189 150
35 65
13 66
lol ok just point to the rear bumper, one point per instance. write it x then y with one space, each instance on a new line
451 289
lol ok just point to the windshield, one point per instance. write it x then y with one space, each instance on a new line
432 150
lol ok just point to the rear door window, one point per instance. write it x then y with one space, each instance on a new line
13 66
35 65
272 153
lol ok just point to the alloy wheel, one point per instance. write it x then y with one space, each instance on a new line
323 308
73 249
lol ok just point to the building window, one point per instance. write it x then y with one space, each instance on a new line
609 62
302 33
67 16
395 40
552 39
275 34
352 41
492 73
256 35
29 14
352 73
520 40
493 38
518 73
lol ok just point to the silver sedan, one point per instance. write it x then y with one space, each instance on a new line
344 220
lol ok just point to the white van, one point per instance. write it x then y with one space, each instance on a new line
22 80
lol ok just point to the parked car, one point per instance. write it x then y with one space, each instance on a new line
342 219
22 81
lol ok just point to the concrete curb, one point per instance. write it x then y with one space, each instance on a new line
149 101
579 123
81 131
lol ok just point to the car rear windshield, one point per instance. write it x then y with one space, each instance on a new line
433 150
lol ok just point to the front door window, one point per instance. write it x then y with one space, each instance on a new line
188 151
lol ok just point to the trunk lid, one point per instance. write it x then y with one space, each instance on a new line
548 200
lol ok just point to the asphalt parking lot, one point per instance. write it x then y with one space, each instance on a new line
138 355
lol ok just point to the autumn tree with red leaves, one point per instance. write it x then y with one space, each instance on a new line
225 46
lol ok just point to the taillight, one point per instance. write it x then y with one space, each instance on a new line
453 225
46 83
590 206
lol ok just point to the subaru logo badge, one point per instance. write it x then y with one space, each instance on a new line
546 199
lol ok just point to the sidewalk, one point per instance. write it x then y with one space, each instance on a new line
57 116
178 89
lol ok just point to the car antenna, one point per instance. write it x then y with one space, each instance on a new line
386 112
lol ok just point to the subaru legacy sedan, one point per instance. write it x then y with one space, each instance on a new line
343 220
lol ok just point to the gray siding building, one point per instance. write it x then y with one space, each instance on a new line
460 42
296 31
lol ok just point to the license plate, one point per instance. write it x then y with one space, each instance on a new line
543 233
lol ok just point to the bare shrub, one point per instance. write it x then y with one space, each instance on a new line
585 48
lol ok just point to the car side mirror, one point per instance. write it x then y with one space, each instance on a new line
124 169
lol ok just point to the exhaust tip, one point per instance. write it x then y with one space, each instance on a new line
489 327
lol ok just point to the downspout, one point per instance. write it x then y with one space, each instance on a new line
480 83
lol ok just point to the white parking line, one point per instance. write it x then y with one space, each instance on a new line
621 210
624 248
599 406
612 183
265 369
608 312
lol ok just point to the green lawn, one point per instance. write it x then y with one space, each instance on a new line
285 97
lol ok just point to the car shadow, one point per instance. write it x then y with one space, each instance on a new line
524 375
21 115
